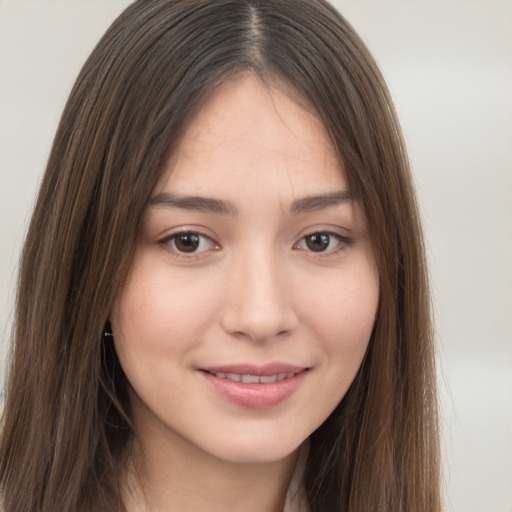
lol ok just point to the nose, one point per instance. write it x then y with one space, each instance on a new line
258 299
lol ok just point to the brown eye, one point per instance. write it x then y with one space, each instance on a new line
318 242
323 242
188 242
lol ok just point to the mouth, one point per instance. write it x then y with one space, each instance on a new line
247 378
255 387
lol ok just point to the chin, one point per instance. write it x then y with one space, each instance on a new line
256 451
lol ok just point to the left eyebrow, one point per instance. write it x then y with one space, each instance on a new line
319 202
194 203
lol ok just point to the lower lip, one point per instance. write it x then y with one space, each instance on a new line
256 396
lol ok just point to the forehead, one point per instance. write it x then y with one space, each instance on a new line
249 134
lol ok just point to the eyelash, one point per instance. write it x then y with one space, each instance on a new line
170 243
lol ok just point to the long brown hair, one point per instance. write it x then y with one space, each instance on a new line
66 426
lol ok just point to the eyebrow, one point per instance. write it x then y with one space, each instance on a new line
194 203
218 206
319 202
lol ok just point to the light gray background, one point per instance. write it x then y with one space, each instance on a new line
449 66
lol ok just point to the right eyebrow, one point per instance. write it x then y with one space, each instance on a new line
320 202
194 203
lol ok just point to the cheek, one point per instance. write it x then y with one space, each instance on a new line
344 311
159 312
341 322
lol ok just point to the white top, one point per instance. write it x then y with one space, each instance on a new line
296 497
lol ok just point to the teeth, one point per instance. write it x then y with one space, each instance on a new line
250 379
254 379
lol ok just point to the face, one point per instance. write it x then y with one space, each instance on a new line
253 292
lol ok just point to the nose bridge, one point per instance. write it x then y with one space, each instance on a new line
259 301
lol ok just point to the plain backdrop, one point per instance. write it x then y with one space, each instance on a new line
449 67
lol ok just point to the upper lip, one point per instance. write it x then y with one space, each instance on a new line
250 369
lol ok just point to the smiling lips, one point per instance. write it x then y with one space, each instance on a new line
256 387
254 379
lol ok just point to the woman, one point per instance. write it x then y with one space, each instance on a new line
223 302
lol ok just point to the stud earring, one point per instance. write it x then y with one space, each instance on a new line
107 330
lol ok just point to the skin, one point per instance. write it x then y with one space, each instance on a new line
253 291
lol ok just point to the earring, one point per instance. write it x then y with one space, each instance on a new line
107 330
